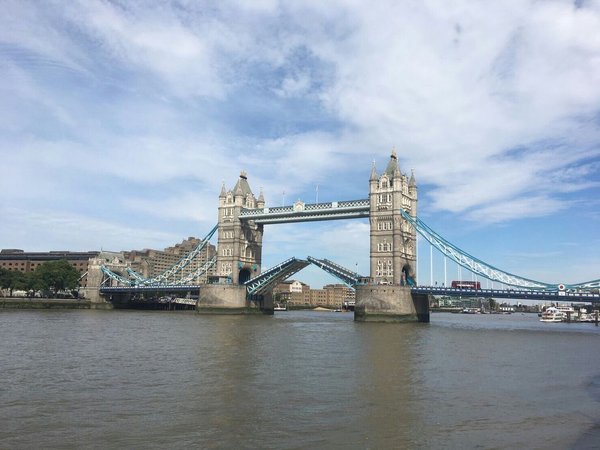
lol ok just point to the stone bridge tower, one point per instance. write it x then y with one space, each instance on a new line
239 249
393 254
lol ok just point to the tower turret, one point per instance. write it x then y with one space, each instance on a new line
412 192
392 164
261 199
373 176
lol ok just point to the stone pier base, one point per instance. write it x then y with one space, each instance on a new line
390 303
97 301
229 299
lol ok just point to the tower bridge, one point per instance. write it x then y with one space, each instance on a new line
390 292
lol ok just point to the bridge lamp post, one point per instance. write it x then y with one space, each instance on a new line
430 265
445 272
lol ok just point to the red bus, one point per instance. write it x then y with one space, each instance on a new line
466 285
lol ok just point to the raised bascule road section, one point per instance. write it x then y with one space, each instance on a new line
237 283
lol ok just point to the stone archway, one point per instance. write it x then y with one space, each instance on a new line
408 278
244 276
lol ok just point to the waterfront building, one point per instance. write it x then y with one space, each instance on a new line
338 294
460 302
298 294
505 307
17 259
293 292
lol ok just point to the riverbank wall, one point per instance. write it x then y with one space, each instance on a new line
43 303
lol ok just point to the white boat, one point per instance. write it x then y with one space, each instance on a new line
279 307
585 316
566 309
553 314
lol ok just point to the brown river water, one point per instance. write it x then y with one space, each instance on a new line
298 380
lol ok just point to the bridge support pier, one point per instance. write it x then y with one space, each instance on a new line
390 303
226 299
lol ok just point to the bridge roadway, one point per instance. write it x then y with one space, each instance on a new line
192 289
556 296
520 294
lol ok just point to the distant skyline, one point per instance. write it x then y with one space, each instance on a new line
120 120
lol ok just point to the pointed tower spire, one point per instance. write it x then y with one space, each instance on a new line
392 165
238 190
412 182
223 193
260 203
373 176
397 171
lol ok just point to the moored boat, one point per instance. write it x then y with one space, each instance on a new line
552 314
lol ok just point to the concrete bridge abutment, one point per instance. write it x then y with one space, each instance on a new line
230 299
390 303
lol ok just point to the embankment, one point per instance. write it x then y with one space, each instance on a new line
43 303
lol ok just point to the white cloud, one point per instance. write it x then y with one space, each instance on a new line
192 205
68 231
294 86
482 84
517 208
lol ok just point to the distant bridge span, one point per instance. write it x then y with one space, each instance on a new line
519 294
287 268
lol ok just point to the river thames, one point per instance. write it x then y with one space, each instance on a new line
298 380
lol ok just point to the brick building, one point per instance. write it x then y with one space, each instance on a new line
298 294
17 259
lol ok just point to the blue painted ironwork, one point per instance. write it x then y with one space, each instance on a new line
301 212
260 284
183 262
198 272
168 276
115 276
136 276
586 285
525 294
347 276
470 262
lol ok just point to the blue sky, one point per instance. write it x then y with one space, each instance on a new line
119 120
